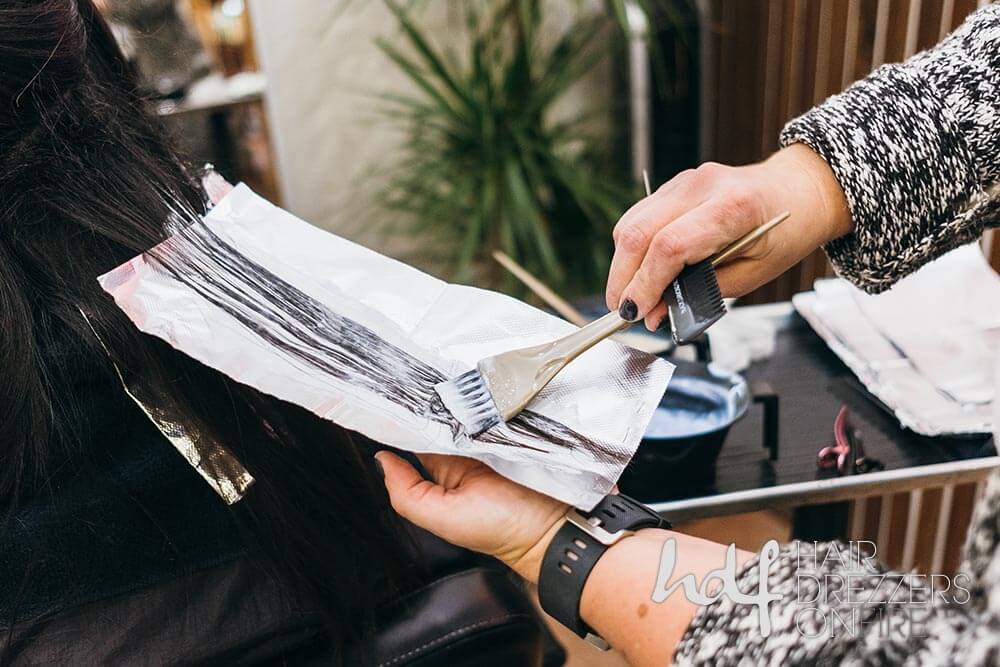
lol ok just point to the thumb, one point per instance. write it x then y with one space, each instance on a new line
412 496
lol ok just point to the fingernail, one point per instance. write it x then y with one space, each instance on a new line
379 468
628 310
664 323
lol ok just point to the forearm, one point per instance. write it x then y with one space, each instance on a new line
811 588
916 149
618 599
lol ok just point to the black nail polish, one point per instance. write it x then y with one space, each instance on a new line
379 468
628 310
664 324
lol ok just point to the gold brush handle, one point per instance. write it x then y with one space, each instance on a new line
744 242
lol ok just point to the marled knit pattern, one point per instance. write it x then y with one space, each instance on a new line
966 633
916 148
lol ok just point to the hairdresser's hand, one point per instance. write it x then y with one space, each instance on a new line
701 211
470 505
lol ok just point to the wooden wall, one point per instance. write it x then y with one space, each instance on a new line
766 61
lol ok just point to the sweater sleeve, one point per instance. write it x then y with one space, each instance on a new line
834 610
837 609
916 148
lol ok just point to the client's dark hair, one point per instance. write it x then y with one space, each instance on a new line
88 181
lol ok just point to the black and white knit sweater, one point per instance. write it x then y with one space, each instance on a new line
916 147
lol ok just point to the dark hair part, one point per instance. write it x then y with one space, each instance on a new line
87 181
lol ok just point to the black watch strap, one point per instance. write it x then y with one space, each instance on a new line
576 548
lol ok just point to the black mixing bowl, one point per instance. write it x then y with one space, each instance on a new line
678 453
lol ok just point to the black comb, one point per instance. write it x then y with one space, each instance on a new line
694 301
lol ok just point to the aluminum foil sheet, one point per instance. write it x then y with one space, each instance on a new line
361 339
215 463
927 348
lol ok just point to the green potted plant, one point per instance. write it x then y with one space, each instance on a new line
486 165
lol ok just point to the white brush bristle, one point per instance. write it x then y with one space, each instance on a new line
468 398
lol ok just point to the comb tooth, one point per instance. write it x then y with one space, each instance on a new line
468 399
704 286
695 301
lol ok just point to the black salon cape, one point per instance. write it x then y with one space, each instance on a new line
129 556
125 555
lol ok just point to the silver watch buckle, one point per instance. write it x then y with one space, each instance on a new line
594 527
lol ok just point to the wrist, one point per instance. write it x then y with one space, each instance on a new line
810 190
528 563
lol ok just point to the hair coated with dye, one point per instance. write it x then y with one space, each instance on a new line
87 181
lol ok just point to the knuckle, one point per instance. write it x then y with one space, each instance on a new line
683 179
628 218
738 203
616 231
710 171
631 238
667 244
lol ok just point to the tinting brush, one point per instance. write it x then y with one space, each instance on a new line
694 300
499 387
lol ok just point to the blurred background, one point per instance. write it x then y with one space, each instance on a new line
438 131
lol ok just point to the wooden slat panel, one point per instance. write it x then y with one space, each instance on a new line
874 511
741 78
773 59
941 524
728 83
895 45
913 522
994 250
931 13
838 49
942 530
961 514
771 121
880 32
947 18
962 9
852 32
912 27
864 62
930 510
708 11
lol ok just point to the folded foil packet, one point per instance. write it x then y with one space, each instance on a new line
927 348
361 339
